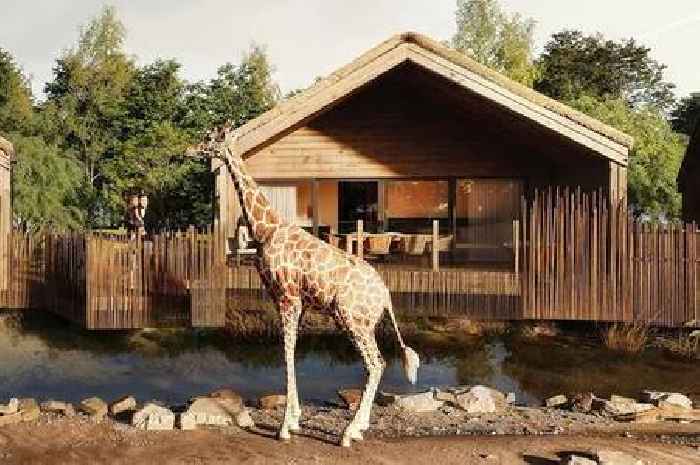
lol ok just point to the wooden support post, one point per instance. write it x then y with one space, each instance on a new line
348 244
360 239
452 209
381 206
436 245
516 245
315 205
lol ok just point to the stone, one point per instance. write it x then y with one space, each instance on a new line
272 401
481 399
445 396
610 457
583 402
417 403
206 411
28 409
670 398
556 401
615 399
11 407
153 417
243 419
229 400
578 460
125 404
54 406
95 407
351 398
625 408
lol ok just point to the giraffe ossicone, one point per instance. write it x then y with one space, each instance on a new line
303 273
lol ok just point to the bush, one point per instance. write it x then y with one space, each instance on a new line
627 338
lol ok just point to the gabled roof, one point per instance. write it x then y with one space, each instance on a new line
691 161
449 64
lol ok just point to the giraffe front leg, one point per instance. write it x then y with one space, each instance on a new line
290 313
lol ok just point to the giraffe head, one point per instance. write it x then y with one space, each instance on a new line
214 144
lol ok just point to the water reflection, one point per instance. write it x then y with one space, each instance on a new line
43 357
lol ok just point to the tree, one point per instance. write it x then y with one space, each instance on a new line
686 114
45 185
495 39
16 105
655 158
86 99
575 65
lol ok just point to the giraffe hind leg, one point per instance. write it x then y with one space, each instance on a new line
374 365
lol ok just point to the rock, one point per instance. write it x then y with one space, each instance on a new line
153 417
418 403
95 407
625 408
614 398
583 402
272 401
445 396
205 411
556 401
667 398
609 457
11 407
28 409
124 404
481 399
243 419
54 406
578 460
229 400
351 397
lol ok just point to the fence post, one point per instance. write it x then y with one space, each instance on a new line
360 241
436 245
516 245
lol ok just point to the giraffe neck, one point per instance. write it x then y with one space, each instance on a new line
261 219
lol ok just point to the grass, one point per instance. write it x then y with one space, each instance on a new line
627 338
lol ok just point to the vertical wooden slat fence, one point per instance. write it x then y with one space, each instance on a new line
586 259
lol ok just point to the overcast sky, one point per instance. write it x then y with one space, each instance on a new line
310 38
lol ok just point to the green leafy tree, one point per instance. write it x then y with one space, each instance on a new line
655 158
494 38
86 99
575 65
45 185
16 107
686 114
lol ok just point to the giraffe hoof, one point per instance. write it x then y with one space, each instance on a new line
357 435
345 442
284 435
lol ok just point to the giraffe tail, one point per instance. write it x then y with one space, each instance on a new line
409 358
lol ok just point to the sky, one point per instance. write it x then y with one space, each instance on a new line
310 38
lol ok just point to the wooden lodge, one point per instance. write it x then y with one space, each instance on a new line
412 132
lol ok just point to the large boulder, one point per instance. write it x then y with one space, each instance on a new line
153 417
667 398
229 400
11 407
480 399
124 404
205 411
418 403
620 406
556 401
351 398
62 408
95 407
611 457
272 401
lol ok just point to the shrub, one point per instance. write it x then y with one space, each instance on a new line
626 338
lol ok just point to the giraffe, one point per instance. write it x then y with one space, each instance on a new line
303 273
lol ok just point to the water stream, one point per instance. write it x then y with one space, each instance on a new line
44 357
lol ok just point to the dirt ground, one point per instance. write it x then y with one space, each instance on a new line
71 441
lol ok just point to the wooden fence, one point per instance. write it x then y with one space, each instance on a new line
585 259
579 259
